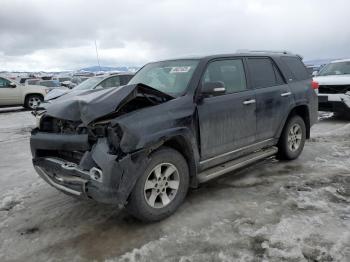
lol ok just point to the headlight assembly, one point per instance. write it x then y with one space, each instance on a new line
38 118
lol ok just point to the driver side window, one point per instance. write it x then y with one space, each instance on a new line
4 83
230 72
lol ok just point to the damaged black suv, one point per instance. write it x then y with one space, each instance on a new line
176 124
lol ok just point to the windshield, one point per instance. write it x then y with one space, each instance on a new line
339 68
171 77
91 83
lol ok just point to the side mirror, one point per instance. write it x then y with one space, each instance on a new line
213 88
12 85
314 73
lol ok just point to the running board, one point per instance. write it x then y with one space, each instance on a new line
232 165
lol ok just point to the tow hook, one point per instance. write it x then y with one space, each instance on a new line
69 165
96 174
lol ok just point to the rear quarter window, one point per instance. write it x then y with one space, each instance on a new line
297 67
264 73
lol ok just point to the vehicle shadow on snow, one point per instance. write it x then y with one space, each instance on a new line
260 173
12 109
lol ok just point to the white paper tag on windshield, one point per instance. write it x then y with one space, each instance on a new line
180 69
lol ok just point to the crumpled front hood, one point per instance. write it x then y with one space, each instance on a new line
333 80
55 93
94 104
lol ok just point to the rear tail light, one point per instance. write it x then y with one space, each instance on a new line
315 85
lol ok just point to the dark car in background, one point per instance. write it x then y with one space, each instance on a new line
176 124
22 80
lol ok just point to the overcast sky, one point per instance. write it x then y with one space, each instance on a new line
60 35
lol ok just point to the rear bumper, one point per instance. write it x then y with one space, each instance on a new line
98 175
338 103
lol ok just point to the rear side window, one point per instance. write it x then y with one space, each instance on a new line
297 67
230 72
264 73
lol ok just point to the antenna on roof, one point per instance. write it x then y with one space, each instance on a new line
98 59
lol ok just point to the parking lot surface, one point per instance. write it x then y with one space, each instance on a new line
271 211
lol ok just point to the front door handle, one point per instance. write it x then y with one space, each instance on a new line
286 94
248 102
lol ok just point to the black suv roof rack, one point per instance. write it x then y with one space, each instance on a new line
265 51
285 52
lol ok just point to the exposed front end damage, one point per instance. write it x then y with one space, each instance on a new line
98 175
96 146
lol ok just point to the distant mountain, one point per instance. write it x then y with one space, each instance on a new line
95 69
318 62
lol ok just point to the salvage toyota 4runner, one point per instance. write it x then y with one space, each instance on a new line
176 124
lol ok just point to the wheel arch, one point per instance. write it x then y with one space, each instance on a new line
181 144
31 94
302 111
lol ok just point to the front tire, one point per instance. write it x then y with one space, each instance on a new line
33 101
293 138
161 188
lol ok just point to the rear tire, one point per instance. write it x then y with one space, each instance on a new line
33 101
161 188
292 140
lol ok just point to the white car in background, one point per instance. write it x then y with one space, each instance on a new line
96 82
13 93
334 87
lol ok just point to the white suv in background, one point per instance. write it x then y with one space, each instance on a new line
13 93
334 87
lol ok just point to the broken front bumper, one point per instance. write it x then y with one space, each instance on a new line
68 184
97 175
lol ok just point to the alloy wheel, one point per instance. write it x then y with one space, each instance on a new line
161 185
294 137
34 102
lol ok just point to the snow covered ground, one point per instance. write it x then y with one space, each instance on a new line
272 211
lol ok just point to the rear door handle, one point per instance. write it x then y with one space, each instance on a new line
248 102
286 94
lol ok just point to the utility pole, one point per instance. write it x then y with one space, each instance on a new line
98 59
